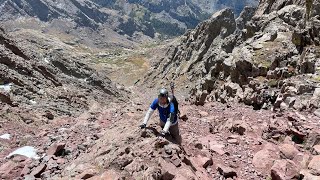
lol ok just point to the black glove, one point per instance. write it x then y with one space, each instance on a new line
142 126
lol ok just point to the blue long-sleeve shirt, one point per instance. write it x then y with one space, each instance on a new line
164 112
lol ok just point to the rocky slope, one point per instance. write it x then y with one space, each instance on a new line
48 84
269 56
134 18
219 142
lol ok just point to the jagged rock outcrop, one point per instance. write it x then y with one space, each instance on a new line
251 59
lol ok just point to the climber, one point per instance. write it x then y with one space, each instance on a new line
168 112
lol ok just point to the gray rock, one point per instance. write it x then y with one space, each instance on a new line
245 16
317 113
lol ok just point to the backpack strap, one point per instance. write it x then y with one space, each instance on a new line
172 88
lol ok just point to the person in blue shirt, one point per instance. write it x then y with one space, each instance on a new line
167 113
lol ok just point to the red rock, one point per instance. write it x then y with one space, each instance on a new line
52 164
284 169
48 115
212 145
10 169
87 174
176 161
308 176
107 175
167 169
160 143
301 160
25 170
239 127
316 149
296 133
288 151
204 161
61 161
38 170
55 148
264 158
314 165
227 172
199 163
288 140
152 173
167 176
217 148
43 134
190 163
291 117
19 158
203 113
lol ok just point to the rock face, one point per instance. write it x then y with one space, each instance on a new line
265 57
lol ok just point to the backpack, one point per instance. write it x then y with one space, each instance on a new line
176 105
174 100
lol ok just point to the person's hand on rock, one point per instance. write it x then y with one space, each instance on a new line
143 126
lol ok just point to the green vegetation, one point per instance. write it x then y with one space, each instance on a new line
317 78
273 83
265 64
150 45
260 57
261 79
123 62
166 28
140 14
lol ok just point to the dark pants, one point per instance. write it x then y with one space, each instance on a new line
174 131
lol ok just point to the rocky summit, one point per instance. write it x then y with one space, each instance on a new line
78 77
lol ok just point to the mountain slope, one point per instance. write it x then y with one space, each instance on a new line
253 59
33 77
151 18
80 125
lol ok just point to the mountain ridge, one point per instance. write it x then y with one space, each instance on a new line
166 17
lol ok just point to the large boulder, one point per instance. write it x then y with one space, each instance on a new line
284 169
314 165
265 158
288 151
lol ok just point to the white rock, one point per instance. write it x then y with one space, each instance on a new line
27 151
6 87
46 60
33 102
5 136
